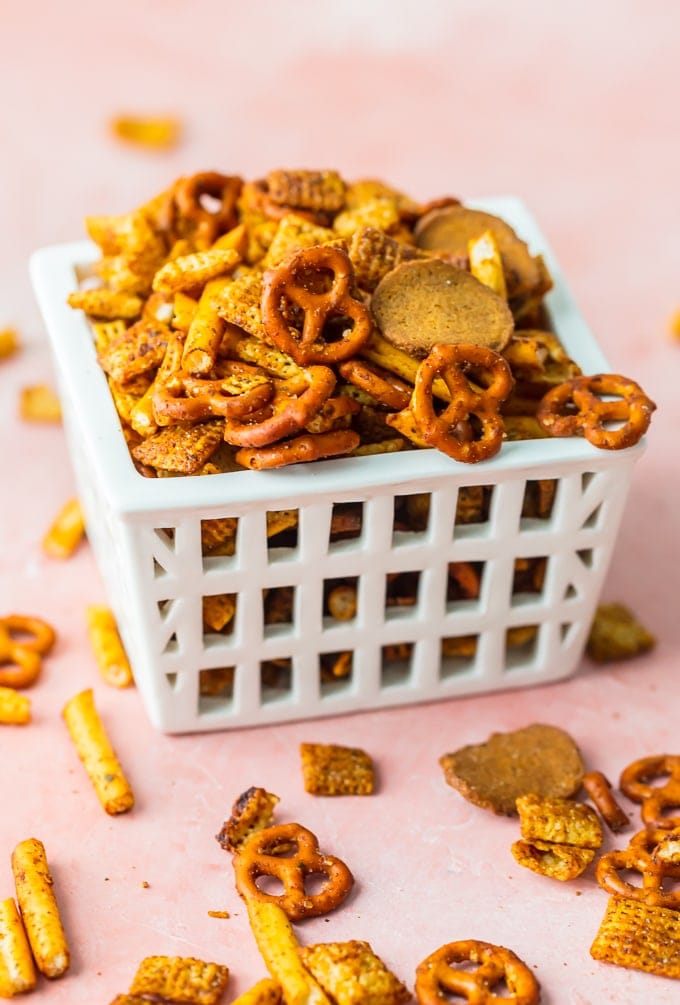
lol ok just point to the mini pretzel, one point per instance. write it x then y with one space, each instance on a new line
440 429
23 642
639 857
307 447
297 281
385 387
290 853
437 978
189 193
295 402
577 406
635 783
600 791
185 398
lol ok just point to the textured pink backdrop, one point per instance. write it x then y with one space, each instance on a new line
575 109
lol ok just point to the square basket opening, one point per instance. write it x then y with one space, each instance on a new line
340 599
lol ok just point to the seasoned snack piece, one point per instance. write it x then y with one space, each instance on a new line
329 769
291 853
183 448
15 708
658 876
39 403
486 264
588 406
539 758
558 861
438 977
315 190
558 820
65 532
114 666
253 811
450 430
17 972
616 634
281 953
39 909
600 792
419 304
195 269
639 937
637 782
335 322
265 992
374 253
449 230
160 132
9 342
299 449
179 979
95 751
207 202
23 642
351 974
107 304
130 1000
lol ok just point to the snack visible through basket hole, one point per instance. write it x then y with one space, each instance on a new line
335 770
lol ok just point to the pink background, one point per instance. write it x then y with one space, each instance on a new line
573 109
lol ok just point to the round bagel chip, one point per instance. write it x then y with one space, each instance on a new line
425 302
450 229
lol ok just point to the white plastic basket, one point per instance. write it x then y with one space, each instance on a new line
146 536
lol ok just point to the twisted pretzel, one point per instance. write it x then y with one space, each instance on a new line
639 857
239 390
290 853
577 406
436 977
635 783
190 194
307 447
293 405
23 642
385 387
443 429
300 281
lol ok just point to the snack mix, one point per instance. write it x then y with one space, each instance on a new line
255 324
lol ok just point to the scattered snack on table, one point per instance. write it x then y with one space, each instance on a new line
39 403
291 854
65 532
39 909
9 342
447 972
600 792
640 937
541 759
155 132
616 634
265 992
558 820
265 299
96 753
180 979
109 652
252 812
351 974
24 640
658 875
548 858
280 951
638 783
17 971
329 769
674 326
15 708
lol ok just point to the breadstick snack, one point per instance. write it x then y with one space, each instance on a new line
96 753
114 666
66 531
17 972
39 909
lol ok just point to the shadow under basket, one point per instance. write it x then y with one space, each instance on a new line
450 579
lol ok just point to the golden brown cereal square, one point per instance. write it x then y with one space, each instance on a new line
39 403
219 610
616 634
334 770
251 812
184 980
351 974
304 189
140 349
293 233
558 820
639 937
558 861
239 303
183 448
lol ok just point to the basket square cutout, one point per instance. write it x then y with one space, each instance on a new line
216 686
282 531
218 536
411 514
276 680
539 499
401 593
464 582
397 664
278 609
336 671
347 525
458 655
528 577
219 613
340 599
521 645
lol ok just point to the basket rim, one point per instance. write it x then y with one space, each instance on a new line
54 274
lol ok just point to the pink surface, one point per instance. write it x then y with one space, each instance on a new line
576 112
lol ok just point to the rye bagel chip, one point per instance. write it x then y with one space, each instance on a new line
424 302
540 759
